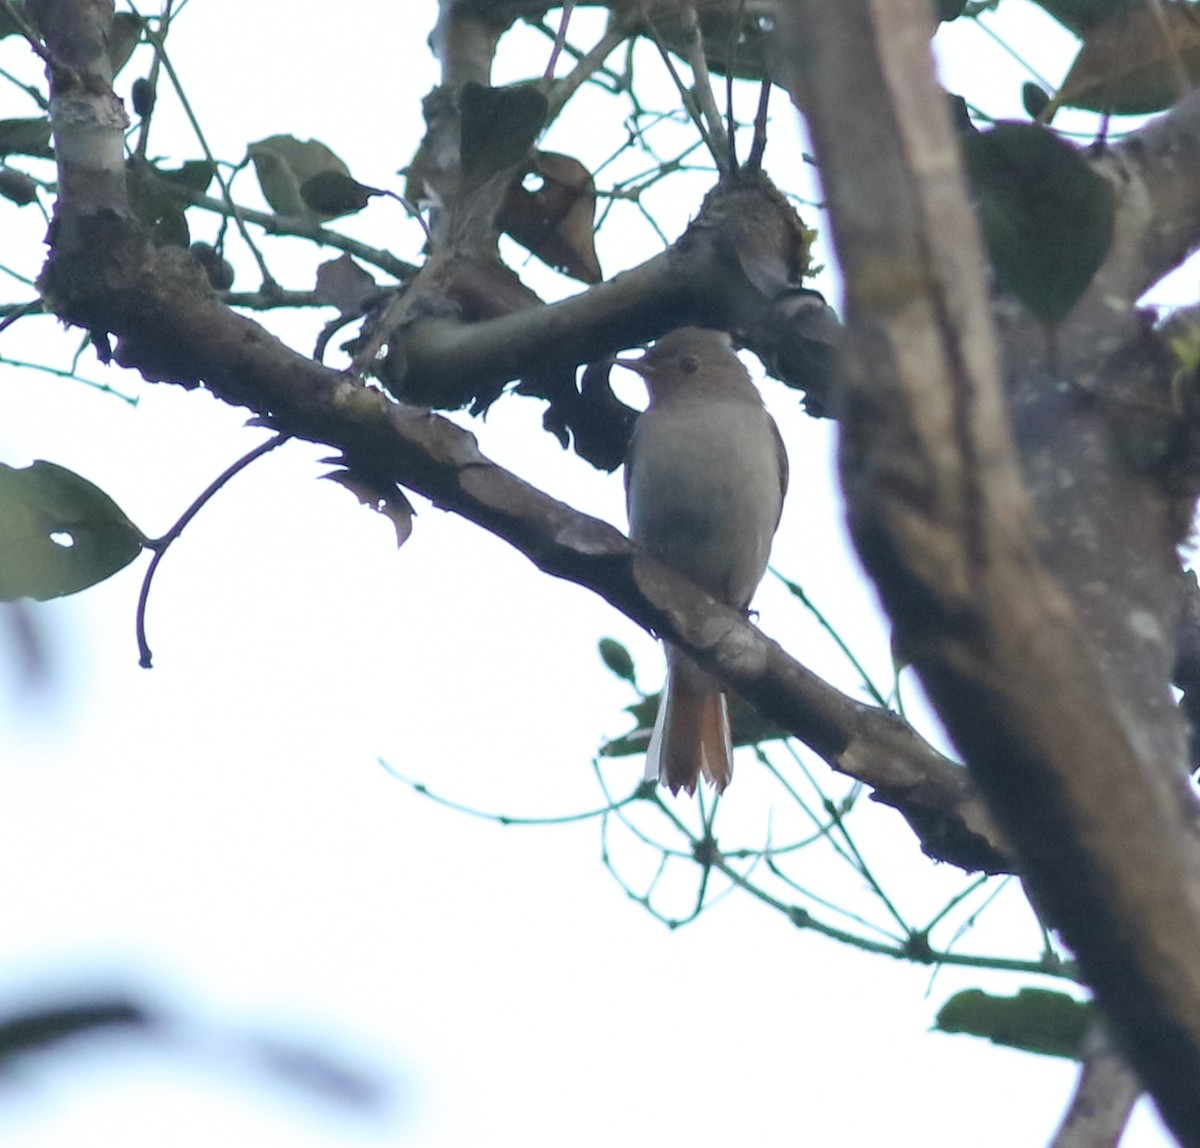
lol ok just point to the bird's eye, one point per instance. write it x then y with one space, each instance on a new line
689 364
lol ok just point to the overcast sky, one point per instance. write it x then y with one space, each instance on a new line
218 837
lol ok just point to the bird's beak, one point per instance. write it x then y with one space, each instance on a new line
638 366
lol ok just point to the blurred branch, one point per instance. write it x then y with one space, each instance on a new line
1105 1093
1080 758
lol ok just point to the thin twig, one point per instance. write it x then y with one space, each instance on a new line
160 545
19 311
423 790
27 31
560 91
759 144
164 24
560 38
693 38
234 210
295 226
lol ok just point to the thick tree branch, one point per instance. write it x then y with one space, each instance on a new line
1092 795
171 327
1105 1093
1157 174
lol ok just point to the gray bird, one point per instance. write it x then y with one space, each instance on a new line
705 477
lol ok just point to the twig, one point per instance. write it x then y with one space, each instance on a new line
160 545
759 144
293 225
560 38
560 91
19 311
234 210
27 31
164 24
423 790
702 90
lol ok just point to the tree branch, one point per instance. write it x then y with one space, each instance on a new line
1105 1093
1091 791
1157 174
171 327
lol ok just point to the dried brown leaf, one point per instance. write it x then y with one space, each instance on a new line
1133 65
383 497
556 222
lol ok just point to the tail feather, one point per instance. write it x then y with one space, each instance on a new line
691 737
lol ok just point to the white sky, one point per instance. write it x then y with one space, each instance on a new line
217 834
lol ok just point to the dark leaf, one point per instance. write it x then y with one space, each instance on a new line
59 533
126 32
8 24
380 495
1035 1020
1035 99
17 187
1047 217
25 137
334 193
342 283
142 96
616 658
950 9
499 126
194 175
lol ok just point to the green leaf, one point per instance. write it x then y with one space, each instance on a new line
1047 217
616 657
1035 1020
26 137
192 175
334 193
8 25
950 9
283 164
17 187
126 32
499 126
1035 99
59 533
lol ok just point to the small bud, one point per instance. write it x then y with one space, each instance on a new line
1035 99
617 658
143 97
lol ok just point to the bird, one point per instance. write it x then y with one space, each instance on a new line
706 473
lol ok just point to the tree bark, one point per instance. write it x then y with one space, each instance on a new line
1081 760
